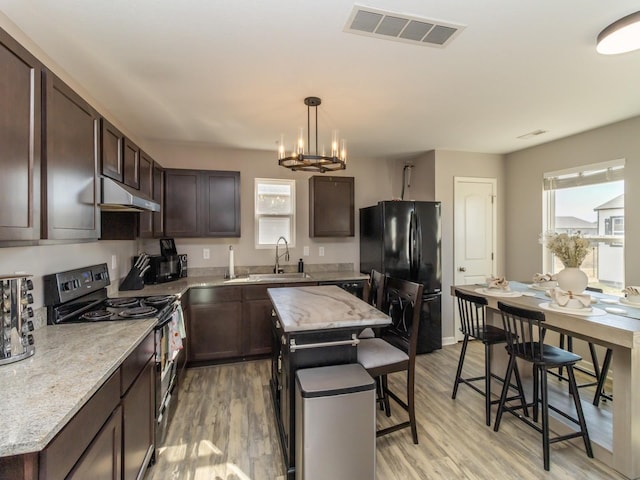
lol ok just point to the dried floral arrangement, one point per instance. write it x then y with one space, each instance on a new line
570 249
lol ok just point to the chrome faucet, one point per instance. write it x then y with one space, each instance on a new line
276 268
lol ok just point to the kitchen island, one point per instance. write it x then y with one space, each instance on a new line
313 326
621 448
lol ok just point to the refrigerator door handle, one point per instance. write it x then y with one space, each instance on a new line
411 244
418 244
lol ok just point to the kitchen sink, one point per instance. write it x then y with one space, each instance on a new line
269 277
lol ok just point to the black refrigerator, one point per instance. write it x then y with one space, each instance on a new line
403 239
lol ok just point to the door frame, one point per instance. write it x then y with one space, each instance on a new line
494 210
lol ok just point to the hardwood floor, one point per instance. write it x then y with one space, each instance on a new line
224 429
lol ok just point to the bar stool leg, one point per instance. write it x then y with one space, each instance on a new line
487 382
580 413
463 352
544 399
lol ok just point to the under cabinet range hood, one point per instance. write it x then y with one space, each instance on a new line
117 197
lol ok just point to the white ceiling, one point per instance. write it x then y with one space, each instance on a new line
234 73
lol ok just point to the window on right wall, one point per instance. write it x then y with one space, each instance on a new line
589 200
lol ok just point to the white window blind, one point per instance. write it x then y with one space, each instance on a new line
588 175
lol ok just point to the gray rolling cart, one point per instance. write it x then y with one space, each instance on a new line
335 423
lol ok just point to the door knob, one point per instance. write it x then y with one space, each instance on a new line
462 269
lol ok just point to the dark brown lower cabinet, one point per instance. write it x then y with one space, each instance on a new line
138 421
257 319
102 460
110 438
230 322
215 324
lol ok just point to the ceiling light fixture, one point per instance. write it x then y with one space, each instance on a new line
302 159
621 36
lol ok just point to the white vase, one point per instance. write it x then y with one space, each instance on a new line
572 279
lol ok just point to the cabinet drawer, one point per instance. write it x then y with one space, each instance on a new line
59 457
136 361
214 295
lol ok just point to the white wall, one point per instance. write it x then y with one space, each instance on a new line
524 170
450 164
45 259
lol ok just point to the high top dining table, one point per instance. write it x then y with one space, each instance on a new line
621 333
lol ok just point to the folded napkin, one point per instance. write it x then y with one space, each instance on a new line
632 290
544 277
563 298
499 283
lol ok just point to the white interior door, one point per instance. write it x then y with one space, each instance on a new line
474 232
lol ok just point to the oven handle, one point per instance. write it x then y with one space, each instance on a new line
163 322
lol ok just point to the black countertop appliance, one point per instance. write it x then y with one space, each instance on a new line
403 239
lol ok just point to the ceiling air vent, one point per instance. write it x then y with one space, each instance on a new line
400 27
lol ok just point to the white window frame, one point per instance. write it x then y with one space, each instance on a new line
572 177
291 216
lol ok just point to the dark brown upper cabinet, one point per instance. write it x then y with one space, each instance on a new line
202 203
111 150
131 163
331 206
146 188
71 140
21 103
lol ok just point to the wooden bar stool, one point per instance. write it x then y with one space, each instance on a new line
473 325
525 341
395 353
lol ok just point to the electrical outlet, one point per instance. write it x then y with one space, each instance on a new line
321 251
305 251
114 262
206 254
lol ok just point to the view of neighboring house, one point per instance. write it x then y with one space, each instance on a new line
611 241
575 225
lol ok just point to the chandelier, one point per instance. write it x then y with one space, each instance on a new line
302 159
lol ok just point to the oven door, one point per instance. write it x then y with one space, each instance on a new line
166 381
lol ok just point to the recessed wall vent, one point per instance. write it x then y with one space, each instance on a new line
400 27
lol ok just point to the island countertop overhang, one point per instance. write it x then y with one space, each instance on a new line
321 308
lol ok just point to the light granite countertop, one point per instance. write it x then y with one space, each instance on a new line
42 393
180 286
323 307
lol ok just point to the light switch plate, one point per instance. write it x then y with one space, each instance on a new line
321 251
206 254
114 262
305 251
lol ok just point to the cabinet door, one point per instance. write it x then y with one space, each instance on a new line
103 459
131 164
138 417
257 329
215 331
71 139
181 209
221 204
21 101
146 188
331 206
158 196
111 150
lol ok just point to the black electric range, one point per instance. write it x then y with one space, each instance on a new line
80 295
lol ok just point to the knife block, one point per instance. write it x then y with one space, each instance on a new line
133 280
